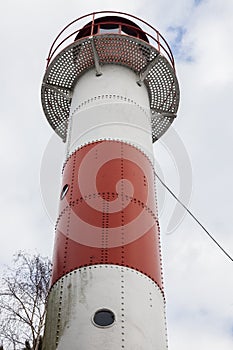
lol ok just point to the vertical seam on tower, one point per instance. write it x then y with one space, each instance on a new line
65 250
68 135
103 230
122 251
107 228
59 312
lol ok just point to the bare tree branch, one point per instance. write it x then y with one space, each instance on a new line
23 293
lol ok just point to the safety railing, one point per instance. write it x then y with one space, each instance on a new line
96 27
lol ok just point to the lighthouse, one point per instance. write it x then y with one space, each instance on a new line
109 91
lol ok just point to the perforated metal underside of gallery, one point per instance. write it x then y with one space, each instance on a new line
152 68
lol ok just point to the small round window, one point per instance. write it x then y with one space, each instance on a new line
64 191
103 318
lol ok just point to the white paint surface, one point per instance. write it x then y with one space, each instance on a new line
110 106
135 299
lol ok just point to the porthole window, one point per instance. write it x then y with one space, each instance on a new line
64 191
104 318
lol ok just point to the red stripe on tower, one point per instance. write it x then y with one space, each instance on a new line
108 214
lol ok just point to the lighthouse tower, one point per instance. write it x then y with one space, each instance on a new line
109 91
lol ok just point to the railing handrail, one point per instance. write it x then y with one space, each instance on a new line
159 40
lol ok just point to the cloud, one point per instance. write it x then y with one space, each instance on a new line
198 282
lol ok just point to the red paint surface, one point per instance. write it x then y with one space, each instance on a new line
108 216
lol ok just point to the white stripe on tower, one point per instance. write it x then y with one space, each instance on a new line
110 106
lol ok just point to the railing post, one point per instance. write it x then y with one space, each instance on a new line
93 23
158 41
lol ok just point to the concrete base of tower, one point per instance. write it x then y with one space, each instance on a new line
105 307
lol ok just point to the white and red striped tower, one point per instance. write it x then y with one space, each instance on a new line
109 94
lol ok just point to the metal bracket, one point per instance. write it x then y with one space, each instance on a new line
143 74
57 88
96 58
159 116
163 114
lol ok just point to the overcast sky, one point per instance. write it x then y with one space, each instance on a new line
198 277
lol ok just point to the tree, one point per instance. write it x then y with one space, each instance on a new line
23 294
